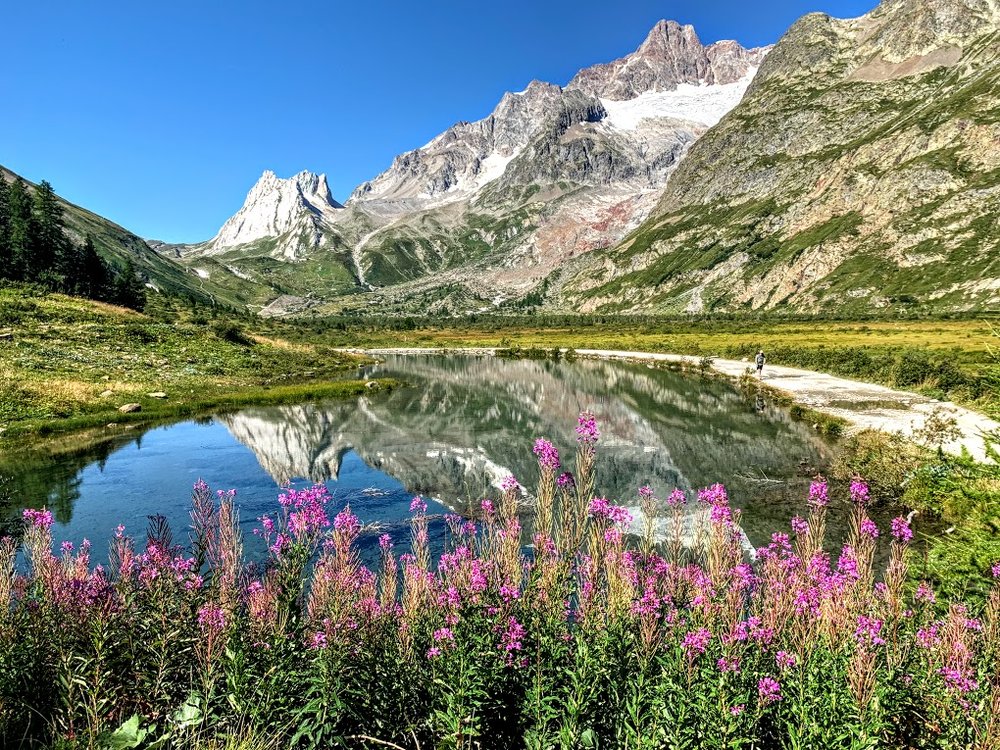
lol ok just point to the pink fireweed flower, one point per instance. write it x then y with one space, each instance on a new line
819 493
785 660
737 710
347 522
119 531
211 618
318 640
509 593
510 484
548 456
281 543
751 629
66 547
847 563
869 528
676 498
901 529
512 637
40 519
444 634
488 507
958 680
433 652
869 631
743 577
728 665
566 481
800 526
418 506
586 429
924 593
267 523
996 570
714 495
601 507
721 515
385 542
697 641
928 637
769 689
859 492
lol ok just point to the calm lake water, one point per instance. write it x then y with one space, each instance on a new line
461 426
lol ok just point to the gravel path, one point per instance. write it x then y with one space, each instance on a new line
863 405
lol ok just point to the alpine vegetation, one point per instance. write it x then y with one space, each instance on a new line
558 621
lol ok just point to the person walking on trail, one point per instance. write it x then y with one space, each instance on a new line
760 363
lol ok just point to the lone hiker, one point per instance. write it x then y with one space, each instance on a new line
760 363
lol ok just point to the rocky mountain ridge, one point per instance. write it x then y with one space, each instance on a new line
861 171
494 206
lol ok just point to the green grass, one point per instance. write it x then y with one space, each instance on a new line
67 364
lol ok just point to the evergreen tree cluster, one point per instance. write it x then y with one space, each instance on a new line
34 248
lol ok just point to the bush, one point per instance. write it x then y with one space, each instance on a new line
229 331
887 461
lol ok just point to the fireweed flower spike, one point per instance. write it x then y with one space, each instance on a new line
901 529
548 456
586 429
819 493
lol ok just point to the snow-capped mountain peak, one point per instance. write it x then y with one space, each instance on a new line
671 78
276 207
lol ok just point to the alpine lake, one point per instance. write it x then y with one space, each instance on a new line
459 426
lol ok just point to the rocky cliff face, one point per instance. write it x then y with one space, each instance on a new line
468 156
671 55
293 215
860 170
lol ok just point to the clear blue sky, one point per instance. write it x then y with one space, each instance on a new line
160 114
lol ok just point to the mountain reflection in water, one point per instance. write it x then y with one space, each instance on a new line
461 425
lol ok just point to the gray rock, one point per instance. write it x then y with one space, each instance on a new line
157 394
130 408
107 394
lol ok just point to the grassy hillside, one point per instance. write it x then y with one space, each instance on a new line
116 245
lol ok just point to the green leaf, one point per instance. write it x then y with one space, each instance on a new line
128 735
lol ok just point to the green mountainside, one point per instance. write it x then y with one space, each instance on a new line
861 171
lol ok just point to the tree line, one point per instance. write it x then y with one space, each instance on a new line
34 247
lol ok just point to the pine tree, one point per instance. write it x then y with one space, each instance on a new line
93 276
21 229
4 226
130 291
51 247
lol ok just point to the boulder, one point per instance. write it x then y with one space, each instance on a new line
130 408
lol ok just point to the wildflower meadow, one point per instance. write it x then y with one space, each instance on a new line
551 621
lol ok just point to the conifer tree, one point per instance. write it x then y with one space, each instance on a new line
93 272
49 238
21 231
130 291
4 227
